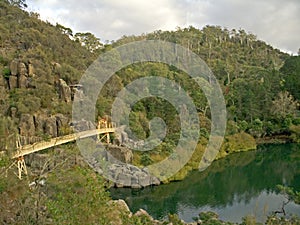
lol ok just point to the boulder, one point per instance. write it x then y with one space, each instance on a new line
22 81
13 82
26 125
144 179
77 92
64 91
121 205
126 175
14 67
125 179
122 174
22 70
143 213
56 67
30 70
120 135
154 181
135 182
121 153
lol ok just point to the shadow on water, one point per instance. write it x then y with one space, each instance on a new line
238 185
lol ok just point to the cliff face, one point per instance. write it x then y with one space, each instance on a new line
33 120
38 63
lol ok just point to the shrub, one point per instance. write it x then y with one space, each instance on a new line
146 160
6 72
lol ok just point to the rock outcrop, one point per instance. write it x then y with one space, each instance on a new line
26 125
14 67
50 126
30 70
13 81
121 137
120 153
121 206
39 122
64 91
22 70
83 125
121 209
3 92
62 123
124 175
143 213
22 81
56 68
30 127
19 73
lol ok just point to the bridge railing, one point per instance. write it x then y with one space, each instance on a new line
104 124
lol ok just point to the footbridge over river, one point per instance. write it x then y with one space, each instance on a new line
102 132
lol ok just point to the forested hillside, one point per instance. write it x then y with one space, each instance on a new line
253 75
40 63
259 83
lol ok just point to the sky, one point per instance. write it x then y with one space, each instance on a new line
276 22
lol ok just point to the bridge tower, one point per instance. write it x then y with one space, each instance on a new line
20 160
104 124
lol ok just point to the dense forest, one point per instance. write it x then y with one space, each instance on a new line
41 62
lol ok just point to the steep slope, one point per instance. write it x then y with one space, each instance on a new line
38 61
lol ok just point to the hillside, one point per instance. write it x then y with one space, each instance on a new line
39 63
34 56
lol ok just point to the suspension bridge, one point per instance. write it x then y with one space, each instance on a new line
102 132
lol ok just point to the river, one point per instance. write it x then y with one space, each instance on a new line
240 184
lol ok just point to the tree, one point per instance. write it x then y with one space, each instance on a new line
19 3
284 105
64 30
88 40
290 74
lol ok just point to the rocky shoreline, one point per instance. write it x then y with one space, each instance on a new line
127 176
124 174
119 170
141 213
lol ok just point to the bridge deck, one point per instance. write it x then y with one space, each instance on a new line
28 149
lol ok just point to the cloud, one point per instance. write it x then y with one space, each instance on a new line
274 21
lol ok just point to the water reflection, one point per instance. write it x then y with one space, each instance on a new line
241 184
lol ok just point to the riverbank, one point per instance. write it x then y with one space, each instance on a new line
238 181
239 142
277 139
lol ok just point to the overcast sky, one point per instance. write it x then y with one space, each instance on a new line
275 21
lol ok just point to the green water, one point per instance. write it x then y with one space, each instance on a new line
238 185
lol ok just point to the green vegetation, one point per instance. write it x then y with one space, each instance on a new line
260 86
81 191
252 74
